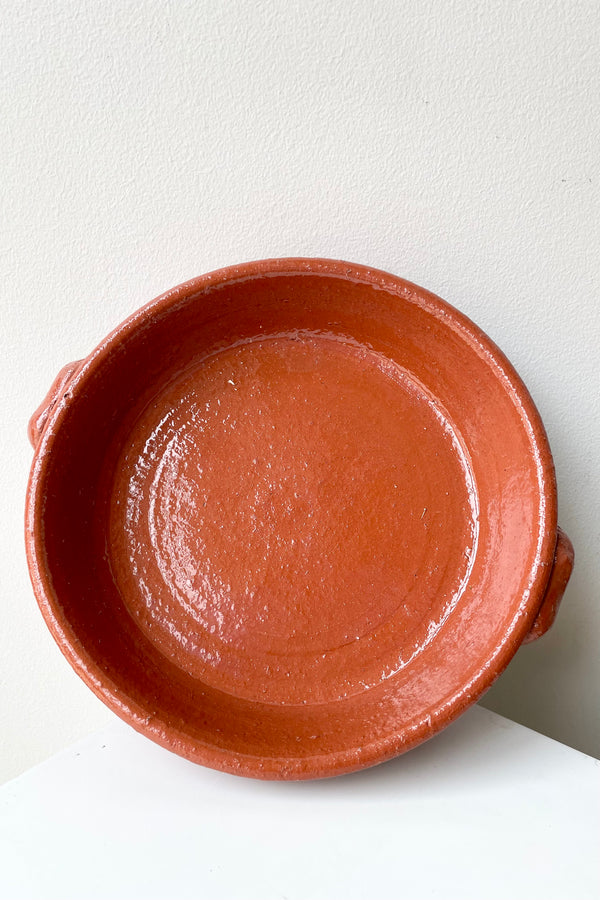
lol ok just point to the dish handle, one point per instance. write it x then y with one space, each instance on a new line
564 553
562 567
58 388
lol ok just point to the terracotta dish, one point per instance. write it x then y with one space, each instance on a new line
291 518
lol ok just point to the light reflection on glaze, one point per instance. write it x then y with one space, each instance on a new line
240 562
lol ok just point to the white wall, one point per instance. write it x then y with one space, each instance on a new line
454 143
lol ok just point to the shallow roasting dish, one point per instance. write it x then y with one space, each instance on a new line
292 517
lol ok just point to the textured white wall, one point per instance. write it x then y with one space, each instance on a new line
455 143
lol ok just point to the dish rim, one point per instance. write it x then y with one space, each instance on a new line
348 759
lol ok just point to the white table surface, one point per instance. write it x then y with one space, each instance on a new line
488 809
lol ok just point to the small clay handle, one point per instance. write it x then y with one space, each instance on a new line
58 389
562 567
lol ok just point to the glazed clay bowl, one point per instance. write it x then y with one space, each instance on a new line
292 517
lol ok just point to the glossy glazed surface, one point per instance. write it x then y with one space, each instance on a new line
292 517
292 520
